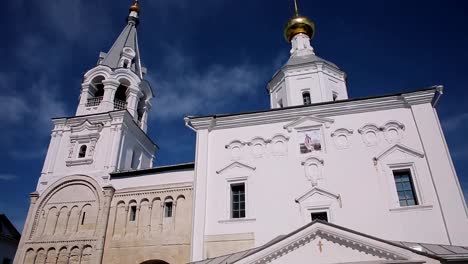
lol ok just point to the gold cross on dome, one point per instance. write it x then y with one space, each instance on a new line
296 10
320 245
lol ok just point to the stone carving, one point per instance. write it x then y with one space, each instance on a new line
313 170
370 134
393 131
341 138
259 147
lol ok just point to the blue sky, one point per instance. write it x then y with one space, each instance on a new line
215 56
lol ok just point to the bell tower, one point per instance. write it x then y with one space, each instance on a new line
305 78
108 132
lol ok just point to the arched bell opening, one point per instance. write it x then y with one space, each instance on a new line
120 98
95 91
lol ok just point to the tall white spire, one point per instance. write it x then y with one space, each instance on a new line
124 53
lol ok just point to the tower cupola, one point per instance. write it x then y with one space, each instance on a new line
299 25
305 78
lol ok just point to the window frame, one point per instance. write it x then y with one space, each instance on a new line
169 210
325 207
231 202
395 173
230 180
319 212
410 166
132 213
304 97
81 154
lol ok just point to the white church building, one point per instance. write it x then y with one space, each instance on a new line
317 178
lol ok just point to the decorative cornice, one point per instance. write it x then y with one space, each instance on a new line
324 110
68 241
79 161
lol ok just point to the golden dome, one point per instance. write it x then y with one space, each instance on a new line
297 25
135 7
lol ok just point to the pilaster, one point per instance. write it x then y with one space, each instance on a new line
199 197
33 197
101 226
83 98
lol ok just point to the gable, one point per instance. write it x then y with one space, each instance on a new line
399 152
308 121
326 251
317 194
320 242
236 167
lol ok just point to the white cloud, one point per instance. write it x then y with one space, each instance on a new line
7 177
187 90
13 109
454 122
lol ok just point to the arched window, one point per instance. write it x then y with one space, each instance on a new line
306 98
125 64
82 152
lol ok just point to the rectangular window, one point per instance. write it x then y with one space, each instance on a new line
168 209
319 216
238 200
405 187
306 98
133 213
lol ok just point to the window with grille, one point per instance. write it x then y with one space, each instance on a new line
238 200
168 209
405 187
319 216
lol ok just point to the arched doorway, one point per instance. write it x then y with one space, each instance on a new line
154 261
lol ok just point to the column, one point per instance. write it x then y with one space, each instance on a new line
27 229
83 99
133 97
110 87
101 227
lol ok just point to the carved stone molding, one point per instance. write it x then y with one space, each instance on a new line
393 131
370 134
341 138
